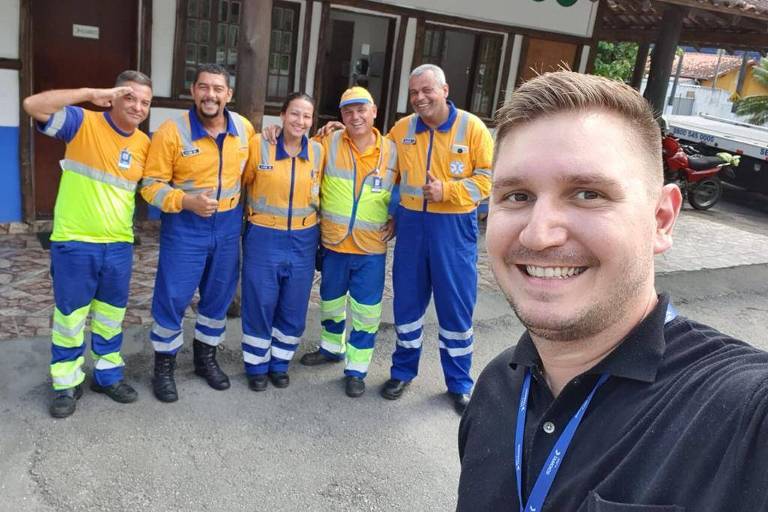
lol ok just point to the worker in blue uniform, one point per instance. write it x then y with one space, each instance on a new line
282 183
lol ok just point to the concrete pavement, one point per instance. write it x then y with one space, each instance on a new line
309 447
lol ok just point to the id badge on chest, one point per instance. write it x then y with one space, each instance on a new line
376 186
125 159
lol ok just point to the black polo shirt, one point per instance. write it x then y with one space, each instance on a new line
679 425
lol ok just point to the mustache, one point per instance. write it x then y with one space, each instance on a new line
554 256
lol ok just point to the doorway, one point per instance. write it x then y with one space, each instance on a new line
75 43
358 51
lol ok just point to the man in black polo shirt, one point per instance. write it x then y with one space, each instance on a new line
609 401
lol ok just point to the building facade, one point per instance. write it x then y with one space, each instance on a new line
321 47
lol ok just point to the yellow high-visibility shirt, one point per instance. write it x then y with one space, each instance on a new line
100 171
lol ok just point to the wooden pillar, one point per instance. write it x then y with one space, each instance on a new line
662 57
253 59
640 60
29 209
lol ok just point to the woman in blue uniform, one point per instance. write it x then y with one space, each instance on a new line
283 184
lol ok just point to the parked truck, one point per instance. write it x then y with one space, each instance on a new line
710 135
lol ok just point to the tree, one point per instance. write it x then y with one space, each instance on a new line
755 108
615 60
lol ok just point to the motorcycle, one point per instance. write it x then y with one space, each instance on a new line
696 175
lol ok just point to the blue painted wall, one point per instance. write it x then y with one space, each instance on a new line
10 180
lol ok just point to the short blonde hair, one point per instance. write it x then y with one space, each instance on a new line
566 91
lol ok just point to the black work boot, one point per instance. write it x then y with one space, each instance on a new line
204 356
65 401
162 382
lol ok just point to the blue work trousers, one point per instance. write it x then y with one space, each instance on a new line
89 278
278 270
435 252
196 253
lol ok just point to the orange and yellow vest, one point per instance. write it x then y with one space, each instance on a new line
355 193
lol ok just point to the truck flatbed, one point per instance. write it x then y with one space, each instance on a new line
725 134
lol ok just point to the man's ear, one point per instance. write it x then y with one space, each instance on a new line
667 210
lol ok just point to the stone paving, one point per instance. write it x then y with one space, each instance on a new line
26 301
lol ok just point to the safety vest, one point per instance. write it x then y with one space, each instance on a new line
346 212
283 194
180 164
458 154
100 171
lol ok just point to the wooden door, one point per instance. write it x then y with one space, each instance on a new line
75 43
543 55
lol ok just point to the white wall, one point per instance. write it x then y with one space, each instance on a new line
408 47
314 35
9 29
517 46
163 24
9 97
550 16
584 57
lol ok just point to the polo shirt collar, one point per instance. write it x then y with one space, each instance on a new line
376 145
421 126
197 130
282 154
638 357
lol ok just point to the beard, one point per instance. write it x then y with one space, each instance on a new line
591 318
202 113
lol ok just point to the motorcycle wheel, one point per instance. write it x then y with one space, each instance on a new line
705 194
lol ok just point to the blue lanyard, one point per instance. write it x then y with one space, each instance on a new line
554 460
556 456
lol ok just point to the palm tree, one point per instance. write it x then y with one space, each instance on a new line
755 108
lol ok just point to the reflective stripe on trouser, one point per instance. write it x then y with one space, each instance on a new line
435 253
196 253
362 275
278 270
88 277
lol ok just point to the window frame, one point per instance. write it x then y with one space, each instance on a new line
296 8
178 88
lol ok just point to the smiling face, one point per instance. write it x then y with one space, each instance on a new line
573 229
358 118
132 109
211 93
297 118
428 98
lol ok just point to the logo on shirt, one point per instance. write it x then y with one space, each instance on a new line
265 167
409 140
124 162
457 168
190 151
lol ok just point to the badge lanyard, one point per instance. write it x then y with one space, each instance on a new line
554 460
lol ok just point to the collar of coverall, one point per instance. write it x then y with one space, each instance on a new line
196 126
282 154
446 126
